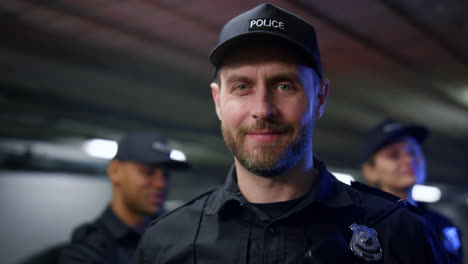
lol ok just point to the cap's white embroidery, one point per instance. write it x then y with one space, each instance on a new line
267 23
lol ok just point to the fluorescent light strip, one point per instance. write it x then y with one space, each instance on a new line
343 177
426 193
101 148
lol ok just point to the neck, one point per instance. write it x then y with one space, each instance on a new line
127 216
290 185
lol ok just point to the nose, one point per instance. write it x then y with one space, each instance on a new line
407 156
158 178
410 158
263 105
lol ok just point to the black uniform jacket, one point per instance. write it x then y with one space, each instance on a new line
449 235
222 227
106 240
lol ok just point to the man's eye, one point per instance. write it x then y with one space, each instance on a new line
242 86
144 170
413 151
394 155
285 87
150 171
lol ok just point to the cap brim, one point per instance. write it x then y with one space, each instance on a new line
168 163
158 161
219 53
417 132
175 165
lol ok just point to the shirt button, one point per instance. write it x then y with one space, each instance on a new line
272 230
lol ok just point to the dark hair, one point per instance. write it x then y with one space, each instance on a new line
216 76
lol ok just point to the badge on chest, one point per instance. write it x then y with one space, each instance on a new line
365 243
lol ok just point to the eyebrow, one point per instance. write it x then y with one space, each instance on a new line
238 78
289 76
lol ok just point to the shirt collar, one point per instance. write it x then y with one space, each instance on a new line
116 227
328 192
228 194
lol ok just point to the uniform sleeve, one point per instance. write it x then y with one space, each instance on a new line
138 257
85 247
449 235
80 253
408 240
438 252
454 239
146 251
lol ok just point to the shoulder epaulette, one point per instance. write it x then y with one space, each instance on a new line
83 231
182 206
368 189
388 196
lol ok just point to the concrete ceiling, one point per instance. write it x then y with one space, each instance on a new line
77 69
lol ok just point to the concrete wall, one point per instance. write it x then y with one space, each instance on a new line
39 210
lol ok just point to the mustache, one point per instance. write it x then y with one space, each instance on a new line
265 124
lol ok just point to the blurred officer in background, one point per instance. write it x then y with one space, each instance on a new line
279 203
139 178
393 160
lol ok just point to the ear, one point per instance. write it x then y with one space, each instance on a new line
215 89
113 171
322 95
370 174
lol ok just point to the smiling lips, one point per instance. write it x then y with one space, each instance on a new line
264 135
156 199
409 171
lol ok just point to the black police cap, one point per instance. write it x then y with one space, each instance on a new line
148 148
271 25
388 132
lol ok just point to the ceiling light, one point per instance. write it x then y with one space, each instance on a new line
177 155
426 193
343 177
100 148
464 94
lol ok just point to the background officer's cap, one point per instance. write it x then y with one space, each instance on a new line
271 25
387 132
147 148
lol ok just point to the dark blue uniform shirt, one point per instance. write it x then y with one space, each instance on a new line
107 240
222 227
449 235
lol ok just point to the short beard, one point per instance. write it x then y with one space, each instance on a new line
270 159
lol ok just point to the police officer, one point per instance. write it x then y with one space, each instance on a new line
139 177
279 203
393 160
